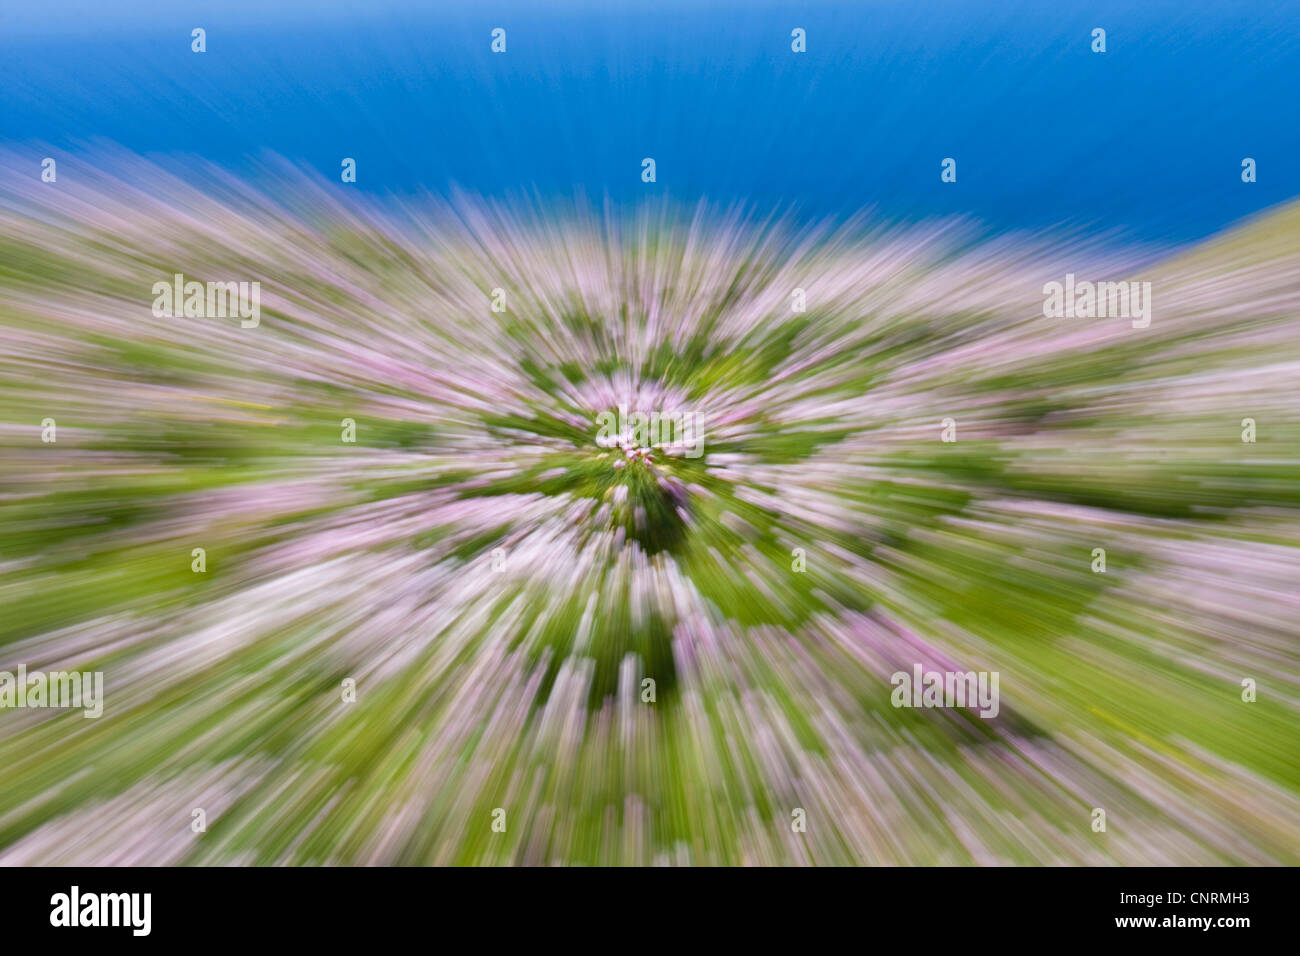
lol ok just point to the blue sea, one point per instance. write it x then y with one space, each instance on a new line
1143 141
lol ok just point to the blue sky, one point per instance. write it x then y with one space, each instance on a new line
1144 141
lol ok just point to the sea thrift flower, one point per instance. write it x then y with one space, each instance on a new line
453 604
